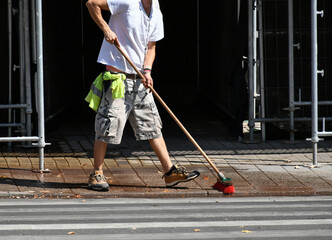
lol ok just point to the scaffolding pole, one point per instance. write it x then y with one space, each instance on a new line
251 70
27 69
261 68
22 65
299 119
314 95
315 134
307 103
10 65
40 80
291 70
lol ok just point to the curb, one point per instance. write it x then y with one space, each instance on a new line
16 194
197 194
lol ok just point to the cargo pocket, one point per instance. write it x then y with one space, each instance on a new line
156 115
106 126
145 118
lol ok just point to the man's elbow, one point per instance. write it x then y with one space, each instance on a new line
101 4
89 4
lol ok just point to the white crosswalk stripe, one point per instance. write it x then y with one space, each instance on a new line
208 218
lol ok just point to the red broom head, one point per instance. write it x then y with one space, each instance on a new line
225 187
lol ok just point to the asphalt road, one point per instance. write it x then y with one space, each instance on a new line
196 218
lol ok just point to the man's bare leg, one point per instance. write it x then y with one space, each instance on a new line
159 147
97 180
173 174
99 154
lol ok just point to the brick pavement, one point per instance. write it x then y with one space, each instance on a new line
262 169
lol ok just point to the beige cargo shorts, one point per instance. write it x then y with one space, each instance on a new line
138 106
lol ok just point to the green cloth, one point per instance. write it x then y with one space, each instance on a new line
96 90
117 86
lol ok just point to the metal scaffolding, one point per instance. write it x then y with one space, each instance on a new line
256 64
315 134
31 47
34 15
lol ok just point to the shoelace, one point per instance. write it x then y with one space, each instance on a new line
181 170
178 170
100 177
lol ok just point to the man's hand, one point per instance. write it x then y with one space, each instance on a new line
147 82
111 37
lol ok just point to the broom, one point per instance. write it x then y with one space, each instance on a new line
223 184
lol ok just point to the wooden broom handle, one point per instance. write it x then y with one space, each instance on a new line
170 112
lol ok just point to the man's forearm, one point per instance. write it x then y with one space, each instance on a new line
150 55
94 8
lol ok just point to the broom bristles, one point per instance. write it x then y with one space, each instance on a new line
228 189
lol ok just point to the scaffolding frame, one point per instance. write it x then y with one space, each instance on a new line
255 73
25 105
254 65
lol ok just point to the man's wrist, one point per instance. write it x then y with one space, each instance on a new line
147 70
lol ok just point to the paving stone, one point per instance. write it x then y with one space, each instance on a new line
76 180
85 163
49 162
61 162
24 162
126 177
34 162
134 161
110 163
146 160
54 184
324 157
26 180
7 181
152 177
123 163
85 144
3 162
12 162
73 163
312 181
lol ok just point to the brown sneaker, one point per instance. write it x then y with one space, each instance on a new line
97 181
179 174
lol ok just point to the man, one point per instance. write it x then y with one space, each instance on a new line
136 26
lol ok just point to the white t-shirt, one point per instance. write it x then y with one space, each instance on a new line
134 29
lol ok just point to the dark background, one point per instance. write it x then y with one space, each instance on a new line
72 41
